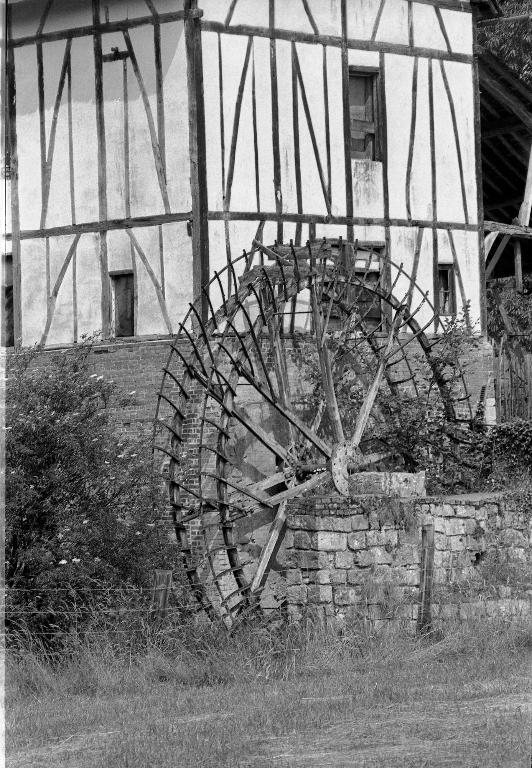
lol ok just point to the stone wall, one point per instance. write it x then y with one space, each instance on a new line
360 556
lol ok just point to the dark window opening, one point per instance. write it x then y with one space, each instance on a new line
446 292
362 300
123 297
363 115
8 326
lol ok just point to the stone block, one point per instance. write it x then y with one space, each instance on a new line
301 558
389 484
374 522
359 523
365 558
357 540
375 538
296 595
457 543
382 556
512 538
330 541
441 541
481 513
341 524
289 539
319 593
356 576
302 540
408 554
345 596
391 538
455 527
293 577
344 559
323 577
338 577
408 577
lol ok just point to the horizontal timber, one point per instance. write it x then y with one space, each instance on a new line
333 40
342 220
104 226
102 29
515 230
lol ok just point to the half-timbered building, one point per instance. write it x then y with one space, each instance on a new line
149 144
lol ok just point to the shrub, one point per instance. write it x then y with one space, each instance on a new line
83 509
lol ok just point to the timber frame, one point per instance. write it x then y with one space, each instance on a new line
199 215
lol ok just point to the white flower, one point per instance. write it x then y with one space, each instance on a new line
151 525
133 393
85 522
93 375
137 533
96 559
62 562
99 378
76 560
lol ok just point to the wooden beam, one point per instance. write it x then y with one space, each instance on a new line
523 233
511 102
526 206
496 256
518 265
502 127
89 30
198 154
102 174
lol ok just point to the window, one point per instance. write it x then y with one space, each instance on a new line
123 303
363 114
8 328
446 292
364 301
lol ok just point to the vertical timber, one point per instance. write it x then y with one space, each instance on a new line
13 156
198 160
478 174
102 171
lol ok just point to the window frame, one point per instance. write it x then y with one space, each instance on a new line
451 271
115 274
373 73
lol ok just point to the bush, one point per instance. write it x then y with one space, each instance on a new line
83 509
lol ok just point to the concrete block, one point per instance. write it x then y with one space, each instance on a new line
357 540
359 523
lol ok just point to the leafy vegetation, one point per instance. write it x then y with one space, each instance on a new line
82 507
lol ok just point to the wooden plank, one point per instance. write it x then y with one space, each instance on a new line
413 124
526 206
327 122
377 20
335 41
383 117
102 173
496 256
159 167
458 274
306 108
42 124
153 278
53 128
255 131
515 230
198 154
424 622
11 135
295 129
456 134
415 267
277 179
52 298
291 493
346 122
89 30
72 191
518 265
443 29
103 226
44 16
310 17
230 12
327 379
236 125
434 196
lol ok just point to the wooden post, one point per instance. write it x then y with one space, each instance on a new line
518 262
162 585
198 159
424 621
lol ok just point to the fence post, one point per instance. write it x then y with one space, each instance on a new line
162 585
424 621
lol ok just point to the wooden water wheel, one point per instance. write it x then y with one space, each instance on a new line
283 390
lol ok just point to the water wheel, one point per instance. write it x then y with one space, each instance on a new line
284 389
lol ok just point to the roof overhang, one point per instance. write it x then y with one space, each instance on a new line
487 8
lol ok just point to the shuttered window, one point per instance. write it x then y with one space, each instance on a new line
122 290
447 297
363 115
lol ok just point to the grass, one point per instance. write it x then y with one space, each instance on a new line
273 697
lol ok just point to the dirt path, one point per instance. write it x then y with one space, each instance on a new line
408 737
